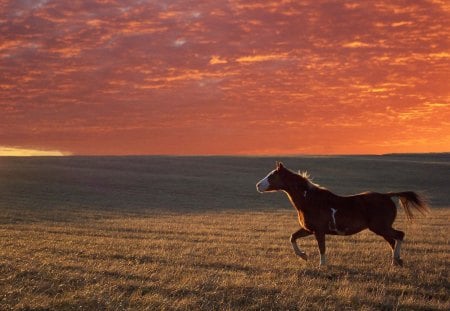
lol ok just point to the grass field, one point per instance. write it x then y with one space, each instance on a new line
192 233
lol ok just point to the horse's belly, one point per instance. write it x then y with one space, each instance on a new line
345 221
346 230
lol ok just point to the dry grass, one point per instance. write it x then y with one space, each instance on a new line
207 261
94 233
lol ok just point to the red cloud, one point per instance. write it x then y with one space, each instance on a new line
100 77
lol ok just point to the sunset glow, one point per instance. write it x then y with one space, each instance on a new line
19 152
225 77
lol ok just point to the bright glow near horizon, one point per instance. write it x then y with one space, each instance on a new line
19 152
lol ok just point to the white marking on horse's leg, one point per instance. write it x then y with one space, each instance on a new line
299 252
398 244
323 260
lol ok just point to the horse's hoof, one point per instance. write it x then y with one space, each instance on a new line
397 262
303 256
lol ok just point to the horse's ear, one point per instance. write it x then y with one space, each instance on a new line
279 165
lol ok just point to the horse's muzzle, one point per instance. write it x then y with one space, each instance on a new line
262 186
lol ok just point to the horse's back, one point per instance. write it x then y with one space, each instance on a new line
371 197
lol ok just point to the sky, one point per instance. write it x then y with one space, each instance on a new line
210 77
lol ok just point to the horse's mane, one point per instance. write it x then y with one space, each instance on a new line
304 174
309 179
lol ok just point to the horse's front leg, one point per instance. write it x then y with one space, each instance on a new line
296 235
320 237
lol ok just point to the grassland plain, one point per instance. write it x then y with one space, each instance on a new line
192 233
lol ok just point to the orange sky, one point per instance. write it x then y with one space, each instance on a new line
225 77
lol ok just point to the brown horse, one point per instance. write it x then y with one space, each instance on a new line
322 212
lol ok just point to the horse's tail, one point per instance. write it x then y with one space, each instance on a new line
409 200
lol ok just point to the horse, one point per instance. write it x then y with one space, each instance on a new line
321 212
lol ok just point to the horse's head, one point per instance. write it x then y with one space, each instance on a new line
283 179
274 181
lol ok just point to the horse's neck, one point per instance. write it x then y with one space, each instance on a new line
297 197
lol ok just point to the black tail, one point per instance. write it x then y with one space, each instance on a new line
409 200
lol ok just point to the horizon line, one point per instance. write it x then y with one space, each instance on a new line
225 155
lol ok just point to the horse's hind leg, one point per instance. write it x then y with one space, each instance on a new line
391 242
383 227
395 259
398 236
395 240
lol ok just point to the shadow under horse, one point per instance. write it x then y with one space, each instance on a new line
322 212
